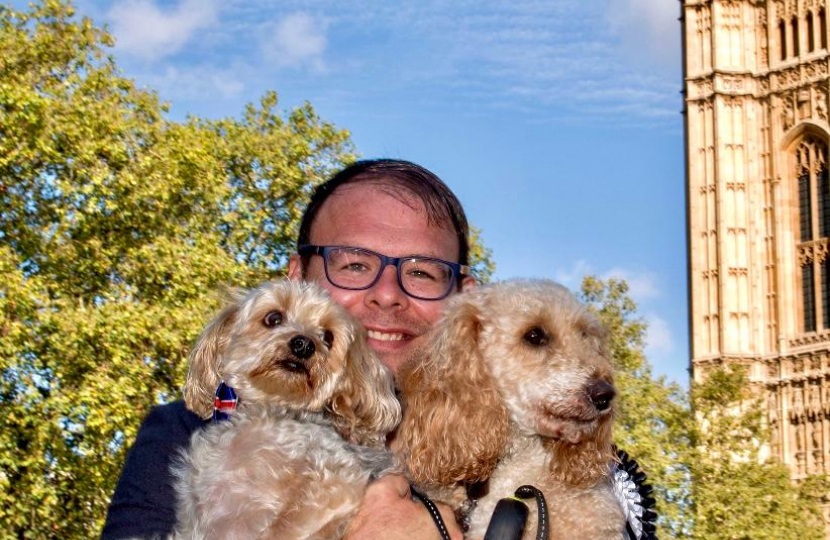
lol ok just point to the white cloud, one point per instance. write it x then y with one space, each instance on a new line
195 81
144 30
227 86
572 278
641 285
648 28
659 338
297 39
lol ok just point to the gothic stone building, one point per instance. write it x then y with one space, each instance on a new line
756 86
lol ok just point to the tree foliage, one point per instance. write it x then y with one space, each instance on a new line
653 421
706 466
117 228
737 495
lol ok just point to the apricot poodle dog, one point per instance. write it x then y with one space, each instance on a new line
516 389
315 405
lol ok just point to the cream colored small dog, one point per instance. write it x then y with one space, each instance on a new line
315 405
516 389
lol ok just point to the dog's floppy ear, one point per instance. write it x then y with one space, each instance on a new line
455 425
364 406
203 362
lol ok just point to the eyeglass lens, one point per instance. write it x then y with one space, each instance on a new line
356 269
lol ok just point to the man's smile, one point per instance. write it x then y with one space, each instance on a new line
387 336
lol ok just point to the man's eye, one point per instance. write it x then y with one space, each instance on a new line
353 267
421 274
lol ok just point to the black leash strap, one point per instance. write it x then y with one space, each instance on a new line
543 528
510 516
433 511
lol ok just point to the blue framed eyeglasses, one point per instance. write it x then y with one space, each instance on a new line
356 269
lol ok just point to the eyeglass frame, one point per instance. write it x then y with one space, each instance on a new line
458 270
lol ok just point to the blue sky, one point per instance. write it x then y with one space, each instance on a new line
557 122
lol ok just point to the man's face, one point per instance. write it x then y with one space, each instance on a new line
363 215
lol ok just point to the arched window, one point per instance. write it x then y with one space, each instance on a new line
794 24
813 233
811 33
822 28
782 39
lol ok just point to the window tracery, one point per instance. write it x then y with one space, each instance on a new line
813 188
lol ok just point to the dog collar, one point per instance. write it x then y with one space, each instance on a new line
224 402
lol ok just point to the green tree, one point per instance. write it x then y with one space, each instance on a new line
737 495
117 228
481 257
653 422
706 467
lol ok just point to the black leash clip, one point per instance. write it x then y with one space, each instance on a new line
510 516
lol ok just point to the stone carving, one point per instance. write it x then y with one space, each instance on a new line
772 408
779 7
814 408
815 440
820 251
821 104
703 89
761 12
800 455
805 254
803 104
797 410
732 83
787 115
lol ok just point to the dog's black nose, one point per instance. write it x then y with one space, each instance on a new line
301 346
601 393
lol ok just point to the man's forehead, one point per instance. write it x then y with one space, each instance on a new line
374 215
436 213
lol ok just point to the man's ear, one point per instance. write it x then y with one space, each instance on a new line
295 268
468 284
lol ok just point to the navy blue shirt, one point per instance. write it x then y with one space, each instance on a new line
143 505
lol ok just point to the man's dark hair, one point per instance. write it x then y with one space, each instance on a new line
442 206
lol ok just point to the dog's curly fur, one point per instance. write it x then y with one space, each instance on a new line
515 389
309 431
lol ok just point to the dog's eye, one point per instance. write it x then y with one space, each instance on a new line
328 338
272 319
536 336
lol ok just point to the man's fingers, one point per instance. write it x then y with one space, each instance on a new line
449 520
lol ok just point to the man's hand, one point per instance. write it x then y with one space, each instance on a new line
389 513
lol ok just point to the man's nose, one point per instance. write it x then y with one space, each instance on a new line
387 293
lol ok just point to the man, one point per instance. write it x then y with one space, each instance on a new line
384 212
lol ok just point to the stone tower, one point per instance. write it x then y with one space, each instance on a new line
756 90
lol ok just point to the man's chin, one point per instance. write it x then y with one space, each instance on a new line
394 354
